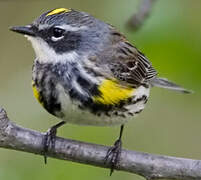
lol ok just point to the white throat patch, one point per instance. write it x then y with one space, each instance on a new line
46 54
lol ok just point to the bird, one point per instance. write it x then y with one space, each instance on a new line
87 73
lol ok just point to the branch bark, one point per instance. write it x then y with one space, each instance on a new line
149 166
137 20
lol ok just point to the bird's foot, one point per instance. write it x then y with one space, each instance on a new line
49 141
113 155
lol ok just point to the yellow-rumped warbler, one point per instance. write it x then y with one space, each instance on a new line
83 63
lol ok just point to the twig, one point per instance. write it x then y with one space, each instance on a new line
137 20
149 166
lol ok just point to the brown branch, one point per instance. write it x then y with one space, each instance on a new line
149 166
137 20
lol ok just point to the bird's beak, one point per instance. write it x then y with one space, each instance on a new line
26 30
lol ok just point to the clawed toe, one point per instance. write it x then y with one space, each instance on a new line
113 155
49 141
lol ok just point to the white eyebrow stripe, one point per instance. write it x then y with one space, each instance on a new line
42 26
72 28
65 26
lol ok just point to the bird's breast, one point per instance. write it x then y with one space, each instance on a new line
78 100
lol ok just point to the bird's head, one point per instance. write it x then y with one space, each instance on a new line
61 32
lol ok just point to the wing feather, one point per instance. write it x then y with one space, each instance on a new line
129 64
121 60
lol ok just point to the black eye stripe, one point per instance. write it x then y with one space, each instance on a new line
70 40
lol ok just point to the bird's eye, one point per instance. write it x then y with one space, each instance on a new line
58 32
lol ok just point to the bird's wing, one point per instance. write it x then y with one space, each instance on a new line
129 64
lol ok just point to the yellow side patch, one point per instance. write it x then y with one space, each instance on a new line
36 93
58 11
112 93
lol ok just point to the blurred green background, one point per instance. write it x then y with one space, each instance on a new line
171 123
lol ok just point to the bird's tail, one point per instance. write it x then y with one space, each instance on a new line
165 83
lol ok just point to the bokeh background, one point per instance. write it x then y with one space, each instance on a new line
171 123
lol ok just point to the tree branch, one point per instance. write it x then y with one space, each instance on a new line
137 20
149 166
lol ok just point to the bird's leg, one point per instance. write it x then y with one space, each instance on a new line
49 139
113 153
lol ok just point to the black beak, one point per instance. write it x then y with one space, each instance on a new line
26 30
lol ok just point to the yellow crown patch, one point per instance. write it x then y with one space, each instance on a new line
58 11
